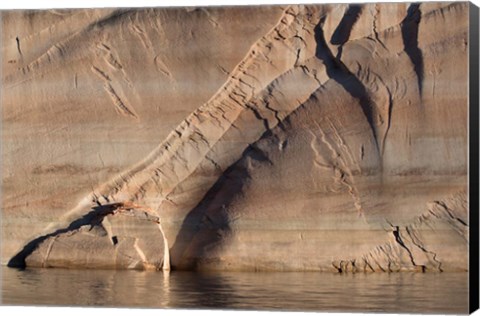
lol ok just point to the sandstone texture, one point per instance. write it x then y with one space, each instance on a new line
302 137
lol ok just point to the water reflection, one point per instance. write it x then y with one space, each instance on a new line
396 292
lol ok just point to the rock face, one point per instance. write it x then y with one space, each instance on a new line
303 137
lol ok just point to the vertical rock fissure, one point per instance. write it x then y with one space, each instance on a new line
399 240
417 243
342 33
409 28
389 119
18 46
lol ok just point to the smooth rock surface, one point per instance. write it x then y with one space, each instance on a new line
303 137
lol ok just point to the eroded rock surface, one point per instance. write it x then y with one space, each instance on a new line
304 137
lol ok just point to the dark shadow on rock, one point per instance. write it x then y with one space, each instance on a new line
92 218
208 222
409 28
344 29
338 72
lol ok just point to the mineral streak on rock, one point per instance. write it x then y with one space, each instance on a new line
302 137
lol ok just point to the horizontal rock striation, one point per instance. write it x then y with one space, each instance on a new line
336 139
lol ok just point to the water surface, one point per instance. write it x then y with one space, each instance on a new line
375 292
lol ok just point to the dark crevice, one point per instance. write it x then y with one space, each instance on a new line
409 27
379 265
275 112
389 119
337 71
421 247
461 221
339 268
258 116
448 211
213 162
398 239
342 33
367 264
18 46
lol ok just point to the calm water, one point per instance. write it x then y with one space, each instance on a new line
380 292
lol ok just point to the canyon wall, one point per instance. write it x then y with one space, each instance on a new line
302 137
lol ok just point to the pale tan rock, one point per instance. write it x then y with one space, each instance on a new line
320 137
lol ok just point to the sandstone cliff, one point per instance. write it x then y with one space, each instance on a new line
304 137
